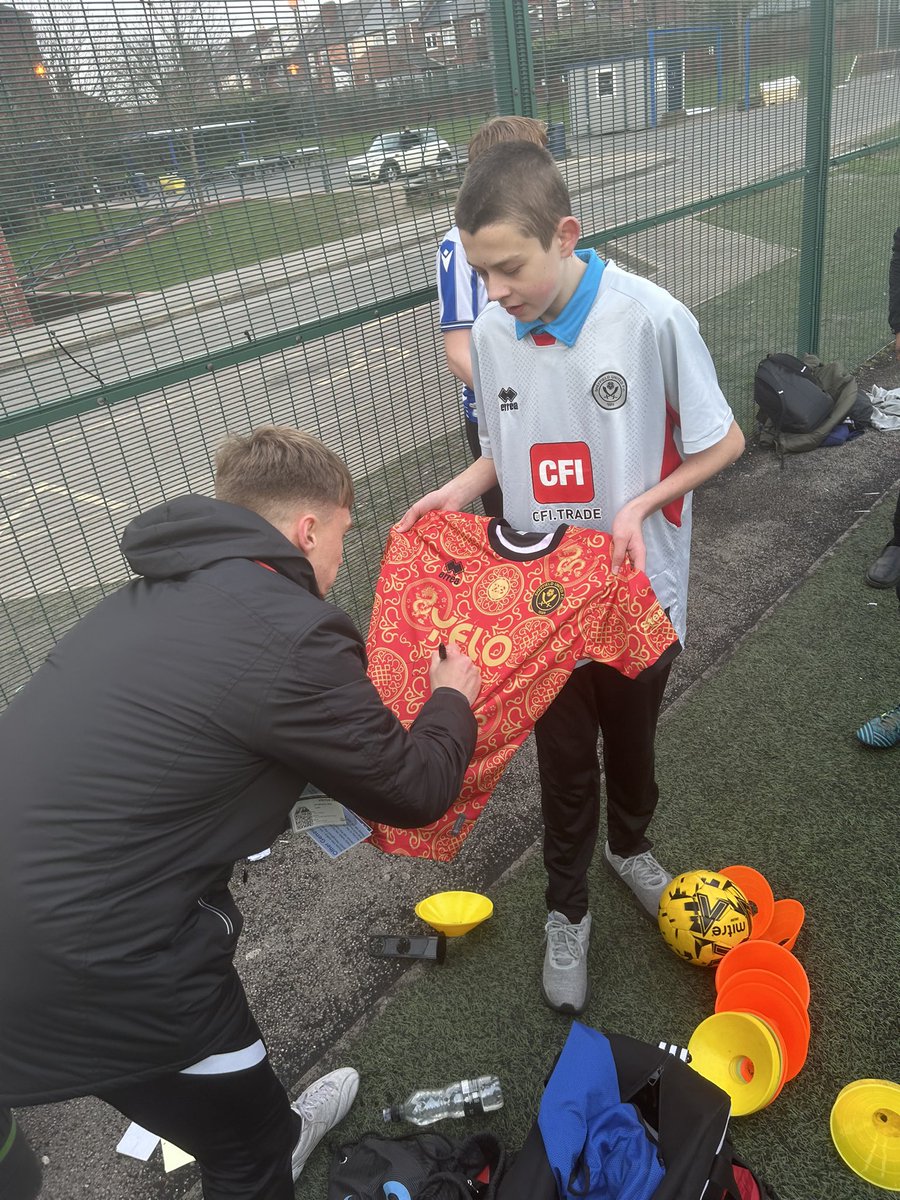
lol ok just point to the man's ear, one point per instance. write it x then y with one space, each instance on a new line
567 233
305 531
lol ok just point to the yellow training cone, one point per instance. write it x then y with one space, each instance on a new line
865 1128
454 913
741 1054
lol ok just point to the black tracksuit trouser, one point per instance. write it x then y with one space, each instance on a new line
239 1126
596 698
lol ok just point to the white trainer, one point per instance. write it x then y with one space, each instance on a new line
324 1103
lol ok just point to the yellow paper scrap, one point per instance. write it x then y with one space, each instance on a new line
173 1157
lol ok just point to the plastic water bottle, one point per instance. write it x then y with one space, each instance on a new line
465 1098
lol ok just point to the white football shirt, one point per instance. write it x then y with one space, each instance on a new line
577 431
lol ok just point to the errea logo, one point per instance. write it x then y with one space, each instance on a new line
561 471
507 398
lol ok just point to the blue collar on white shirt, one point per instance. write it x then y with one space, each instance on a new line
567 326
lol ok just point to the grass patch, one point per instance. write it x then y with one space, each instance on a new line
748 322
59 230
234 235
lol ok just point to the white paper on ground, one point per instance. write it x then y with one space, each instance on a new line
137 1142
173 1157
336 839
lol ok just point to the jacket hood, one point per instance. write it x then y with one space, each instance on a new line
192 532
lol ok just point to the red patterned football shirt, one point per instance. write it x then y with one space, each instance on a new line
526 607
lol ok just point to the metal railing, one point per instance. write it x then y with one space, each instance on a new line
294 296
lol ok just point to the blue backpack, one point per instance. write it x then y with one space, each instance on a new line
684 1116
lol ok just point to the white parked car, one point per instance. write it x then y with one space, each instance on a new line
393 155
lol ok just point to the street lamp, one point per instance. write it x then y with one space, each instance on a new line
309 88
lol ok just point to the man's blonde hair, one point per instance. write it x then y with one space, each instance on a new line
507 129
275 470
516 183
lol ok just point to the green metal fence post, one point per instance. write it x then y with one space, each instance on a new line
513 58
815 187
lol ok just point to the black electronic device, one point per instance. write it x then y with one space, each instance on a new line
386 945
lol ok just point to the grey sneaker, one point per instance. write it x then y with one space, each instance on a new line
322 1106
643 875
565 981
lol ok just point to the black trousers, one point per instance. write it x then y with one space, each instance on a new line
240 1127
492 500
596 698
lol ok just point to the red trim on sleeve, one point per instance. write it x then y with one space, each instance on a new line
671 461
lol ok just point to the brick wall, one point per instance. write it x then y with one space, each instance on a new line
14 310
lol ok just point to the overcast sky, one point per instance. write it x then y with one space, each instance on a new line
237 16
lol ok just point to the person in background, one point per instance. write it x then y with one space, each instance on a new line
883 732
885 570
461 293
167 735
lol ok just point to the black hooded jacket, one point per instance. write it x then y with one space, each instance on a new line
167 735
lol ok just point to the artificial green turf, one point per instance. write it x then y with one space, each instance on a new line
757 765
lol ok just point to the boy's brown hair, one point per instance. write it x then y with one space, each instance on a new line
516 183
507 129
274 470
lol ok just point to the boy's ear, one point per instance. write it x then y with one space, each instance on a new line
567 233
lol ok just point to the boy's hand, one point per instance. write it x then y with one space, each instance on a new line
897 346
453 669
628 540
462 489
438 501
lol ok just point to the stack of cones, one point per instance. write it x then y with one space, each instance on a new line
758 1038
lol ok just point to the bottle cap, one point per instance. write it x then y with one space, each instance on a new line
391 1113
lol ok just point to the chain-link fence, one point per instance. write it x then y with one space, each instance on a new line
216 215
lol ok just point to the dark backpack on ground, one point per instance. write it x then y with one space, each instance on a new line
684 1113
420 1166
802 401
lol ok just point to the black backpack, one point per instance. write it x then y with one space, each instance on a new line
419 1166
685 1114
800 401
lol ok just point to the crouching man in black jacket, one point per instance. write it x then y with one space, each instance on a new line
167 735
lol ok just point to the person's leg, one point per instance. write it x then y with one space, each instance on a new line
629 713
885 570
239 1126
492 500
566 740
566 737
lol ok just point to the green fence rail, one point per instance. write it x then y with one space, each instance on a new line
208 220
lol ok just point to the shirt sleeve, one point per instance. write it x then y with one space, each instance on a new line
625 626
323 719
458 287
692 387
483 435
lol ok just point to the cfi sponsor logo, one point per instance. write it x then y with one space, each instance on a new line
610 390
561 472
548 597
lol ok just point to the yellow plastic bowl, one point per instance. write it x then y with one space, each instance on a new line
454 913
